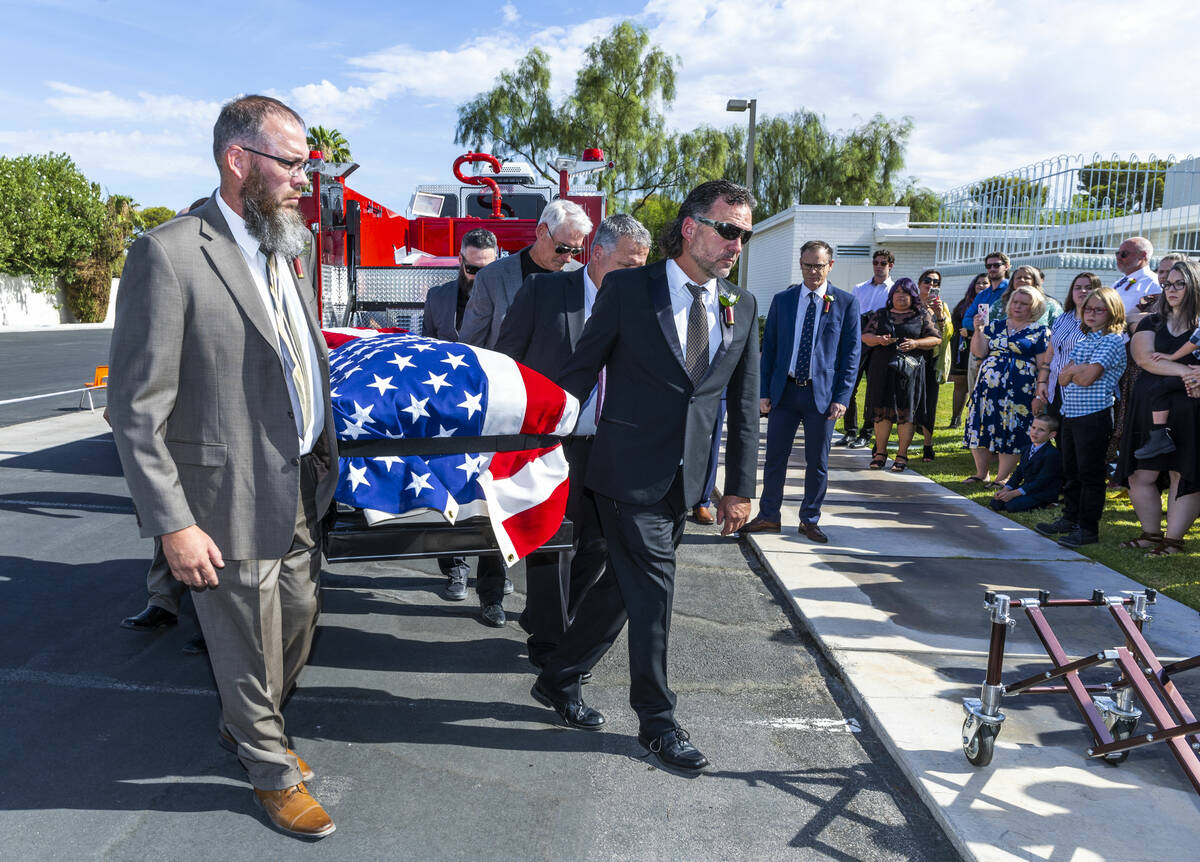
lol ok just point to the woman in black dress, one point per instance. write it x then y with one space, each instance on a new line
960 349
898 332
1164 333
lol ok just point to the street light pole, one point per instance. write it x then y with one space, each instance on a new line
739 105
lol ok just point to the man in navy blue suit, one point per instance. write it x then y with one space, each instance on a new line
809 358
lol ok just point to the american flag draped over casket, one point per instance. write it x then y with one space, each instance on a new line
403 386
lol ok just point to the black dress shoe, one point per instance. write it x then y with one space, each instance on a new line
149 620
574 713
674 752
196 646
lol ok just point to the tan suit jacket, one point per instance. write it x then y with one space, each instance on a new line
199 404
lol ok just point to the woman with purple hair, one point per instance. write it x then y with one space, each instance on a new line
898 332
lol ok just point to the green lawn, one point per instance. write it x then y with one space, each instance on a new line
1177 576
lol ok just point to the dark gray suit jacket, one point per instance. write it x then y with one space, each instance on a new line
653 416
200 408
544 322
441 307
496 286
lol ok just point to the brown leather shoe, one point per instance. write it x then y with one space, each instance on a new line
306 771
813 532
702 515
761 525
294 811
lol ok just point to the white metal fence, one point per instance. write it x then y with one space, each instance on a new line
1073 205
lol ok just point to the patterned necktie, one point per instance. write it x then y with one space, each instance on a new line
295 354
804 354
696 359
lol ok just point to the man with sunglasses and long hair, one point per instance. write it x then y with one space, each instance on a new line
670 337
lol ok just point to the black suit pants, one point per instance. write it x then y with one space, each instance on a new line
639 586
552 593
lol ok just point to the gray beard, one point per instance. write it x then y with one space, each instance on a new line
279 230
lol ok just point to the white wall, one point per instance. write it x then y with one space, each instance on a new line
23 307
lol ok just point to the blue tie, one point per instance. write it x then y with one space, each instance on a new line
804 354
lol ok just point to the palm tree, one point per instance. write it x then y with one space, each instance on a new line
333 146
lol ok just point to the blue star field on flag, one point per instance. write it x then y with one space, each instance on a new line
402 386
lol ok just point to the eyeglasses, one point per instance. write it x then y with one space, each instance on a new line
994 265
1121 255
726 230
294 168
933 281
1174 285
1091 309
563 248
471 269
814 267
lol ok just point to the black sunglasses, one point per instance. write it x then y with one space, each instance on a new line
993 265
725 230
471 269
934 281
563 248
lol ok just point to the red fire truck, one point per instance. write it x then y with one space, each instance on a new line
377 265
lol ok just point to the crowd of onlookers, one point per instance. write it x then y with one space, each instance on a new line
1057 402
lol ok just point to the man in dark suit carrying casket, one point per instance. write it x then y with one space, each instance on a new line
670 337
541 330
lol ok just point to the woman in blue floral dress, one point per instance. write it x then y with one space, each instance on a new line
1013 349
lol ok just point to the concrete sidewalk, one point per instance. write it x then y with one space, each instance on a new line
896 602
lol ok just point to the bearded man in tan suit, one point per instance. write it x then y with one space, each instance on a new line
219 398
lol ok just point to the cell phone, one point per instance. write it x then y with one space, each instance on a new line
935 293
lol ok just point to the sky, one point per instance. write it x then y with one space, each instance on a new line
130 89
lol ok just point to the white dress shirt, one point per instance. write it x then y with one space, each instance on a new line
587 411
256 261
1131 288
801 310
681 305
872 296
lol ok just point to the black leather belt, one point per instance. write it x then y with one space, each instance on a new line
800 383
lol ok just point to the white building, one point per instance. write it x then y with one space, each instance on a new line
1065 216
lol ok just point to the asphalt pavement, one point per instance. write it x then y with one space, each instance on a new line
416 717
52 359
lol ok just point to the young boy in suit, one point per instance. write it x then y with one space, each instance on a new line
1038 478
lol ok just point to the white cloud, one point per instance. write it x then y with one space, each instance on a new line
166 156
509 13
990 86
145 108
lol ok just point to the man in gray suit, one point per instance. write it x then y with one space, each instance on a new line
221 415
560 235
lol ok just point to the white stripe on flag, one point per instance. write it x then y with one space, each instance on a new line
526 489
504 415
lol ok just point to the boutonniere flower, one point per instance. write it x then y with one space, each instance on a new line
298 267
828 301
727 301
